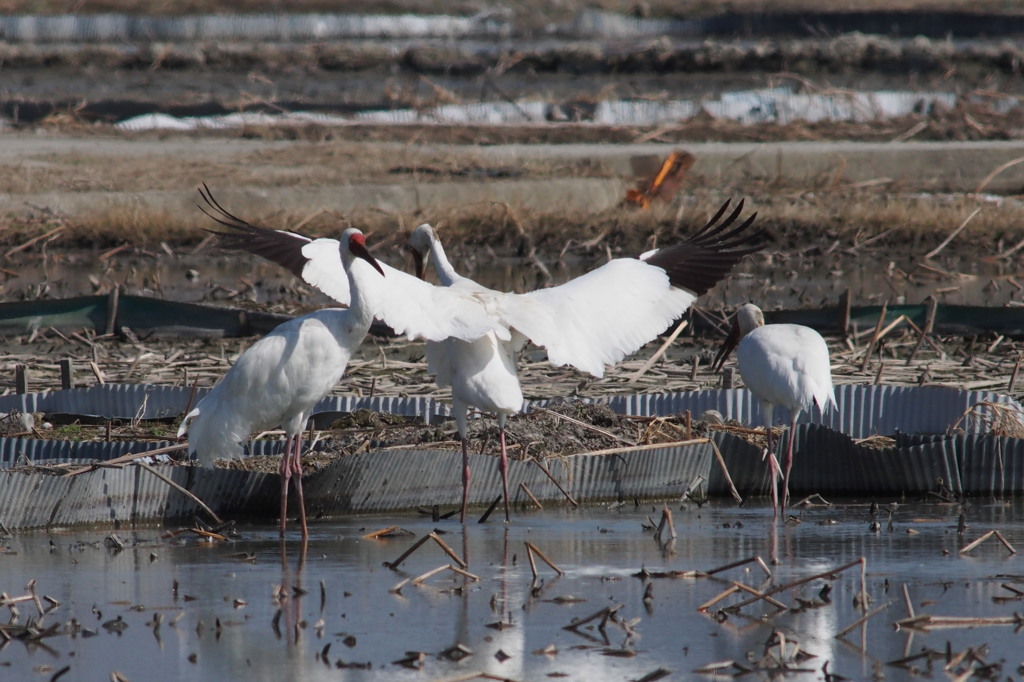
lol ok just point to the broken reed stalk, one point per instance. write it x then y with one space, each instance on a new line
992 533
932 304
717 598
557 484
447 550
207 534
533 562
128 458
796 583
490 510
808 501
863 619
998 169
589 427
927 337
1017 593
416 545
892 325
657 354
725 471
464 573
666 520
187 493
434 571
874 338
926 623
393 565
907 603
379 533
720 668
531 495
761 595
604 614
864 584
530 547
741 562
945 242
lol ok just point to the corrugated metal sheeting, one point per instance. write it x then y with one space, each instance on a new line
402 479
110 401
863 410
922 458
131 495
16 452
25 451
378 481
831 463
150 401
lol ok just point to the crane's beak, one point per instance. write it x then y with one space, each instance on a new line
357 245
728 345
420 264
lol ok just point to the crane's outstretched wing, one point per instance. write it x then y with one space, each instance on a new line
603 316
599 318
407 304
702 260
317 262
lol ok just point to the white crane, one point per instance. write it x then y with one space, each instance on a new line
279 379
781 364
589 322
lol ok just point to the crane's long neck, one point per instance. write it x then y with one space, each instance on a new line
360 300
445 272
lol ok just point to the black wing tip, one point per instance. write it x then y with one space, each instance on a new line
707 257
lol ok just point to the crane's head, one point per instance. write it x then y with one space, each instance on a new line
353 245
748 317
420 242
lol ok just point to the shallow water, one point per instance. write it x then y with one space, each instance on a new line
361 620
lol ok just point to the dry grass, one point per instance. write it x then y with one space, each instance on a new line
301 163
801 220
997 419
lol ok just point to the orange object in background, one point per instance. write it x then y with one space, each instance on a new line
666 182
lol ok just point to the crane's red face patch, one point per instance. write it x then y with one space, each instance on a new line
357 245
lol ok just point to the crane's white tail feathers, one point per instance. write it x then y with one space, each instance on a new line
183 429
213 434
826 400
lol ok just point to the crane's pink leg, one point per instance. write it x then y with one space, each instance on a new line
504 462
465 478
291 465
789 461
285 472
773 471
296 465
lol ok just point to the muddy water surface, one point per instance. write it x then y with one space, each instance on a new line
223 614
